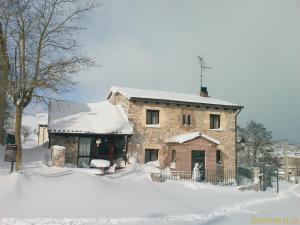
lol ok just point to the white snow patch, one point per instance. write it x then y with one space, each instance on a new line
170 96
71 196
98 118
181 138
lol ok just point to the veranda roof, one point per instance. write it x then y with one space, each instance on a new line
95 118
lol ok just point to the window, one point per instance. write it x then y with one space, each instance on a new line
152 117
218 157
173 156
189 120
183 120
151 155
186 121
214 121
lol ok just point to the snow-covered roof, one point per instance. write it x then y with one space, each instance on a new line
95 118
169 96
181 138
42 118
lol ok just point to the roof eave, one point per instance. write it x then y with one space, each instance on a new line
186 103
87 133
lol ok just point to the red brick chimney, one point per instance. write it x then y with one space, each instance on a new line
204 92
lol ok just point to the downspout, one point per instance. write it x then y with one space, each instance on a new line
236 158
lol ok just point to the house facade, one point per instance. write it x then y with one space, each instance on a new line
179 129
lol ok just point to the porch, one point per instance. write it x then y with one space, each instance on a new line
109 147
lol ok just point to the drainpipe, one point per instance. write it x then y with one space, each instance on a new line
236 161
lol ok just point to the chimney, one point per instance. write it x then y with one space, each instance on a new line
204 92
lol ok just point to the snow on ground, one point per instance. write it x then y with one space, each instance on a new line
31 141
72 196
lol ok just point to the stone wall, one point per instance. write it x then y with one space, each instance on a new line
170 117
43 136
70 143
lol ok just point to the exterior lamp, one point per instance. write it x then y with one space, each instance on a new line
242 142
98 141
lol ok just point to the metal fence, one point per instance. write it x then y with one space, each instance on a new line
260 179
218 176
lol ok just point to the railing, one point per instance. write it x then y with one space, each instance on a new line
218 176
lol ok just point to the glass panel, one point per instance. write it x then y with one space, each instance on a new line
147 156
154 155
84 146
83 162
189 119
148 117
183 120
155 117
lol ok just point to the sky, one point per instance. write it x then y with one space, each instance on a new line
253 47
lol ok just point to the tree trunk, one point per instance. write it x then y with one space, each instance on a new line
4 70
19 112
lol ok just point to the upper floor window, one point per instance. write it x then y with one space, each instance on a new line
214 121
189 120
152 117
183 120
186 120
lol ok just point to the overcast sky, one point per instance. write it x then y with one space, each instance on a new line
253 47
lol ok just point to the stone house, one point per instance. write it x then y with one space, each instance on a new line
176 129
179 129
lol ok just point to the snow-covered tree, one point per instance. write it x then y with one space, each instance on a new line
257 149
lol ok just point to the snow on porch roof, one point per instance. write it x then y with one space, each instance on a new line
181 138
93 118
170 96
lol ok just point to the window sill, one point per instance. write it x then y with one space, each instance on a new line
219 129
152 125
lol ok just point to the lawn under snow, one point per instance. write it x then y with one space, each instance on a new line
71 196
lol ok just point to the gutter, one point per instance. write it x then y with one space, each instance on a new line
236 158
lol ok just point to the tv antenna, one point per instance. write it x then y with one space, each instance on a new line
202 66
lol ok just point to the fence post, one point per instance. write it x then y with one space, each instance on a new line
237 176
277 177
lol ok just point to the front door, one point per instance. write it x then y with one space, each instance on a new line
199 157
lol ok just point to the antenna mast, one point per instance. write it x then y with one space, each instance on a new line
202 67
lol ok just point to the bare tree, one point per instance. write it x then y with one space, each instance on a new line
42 51
4 72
